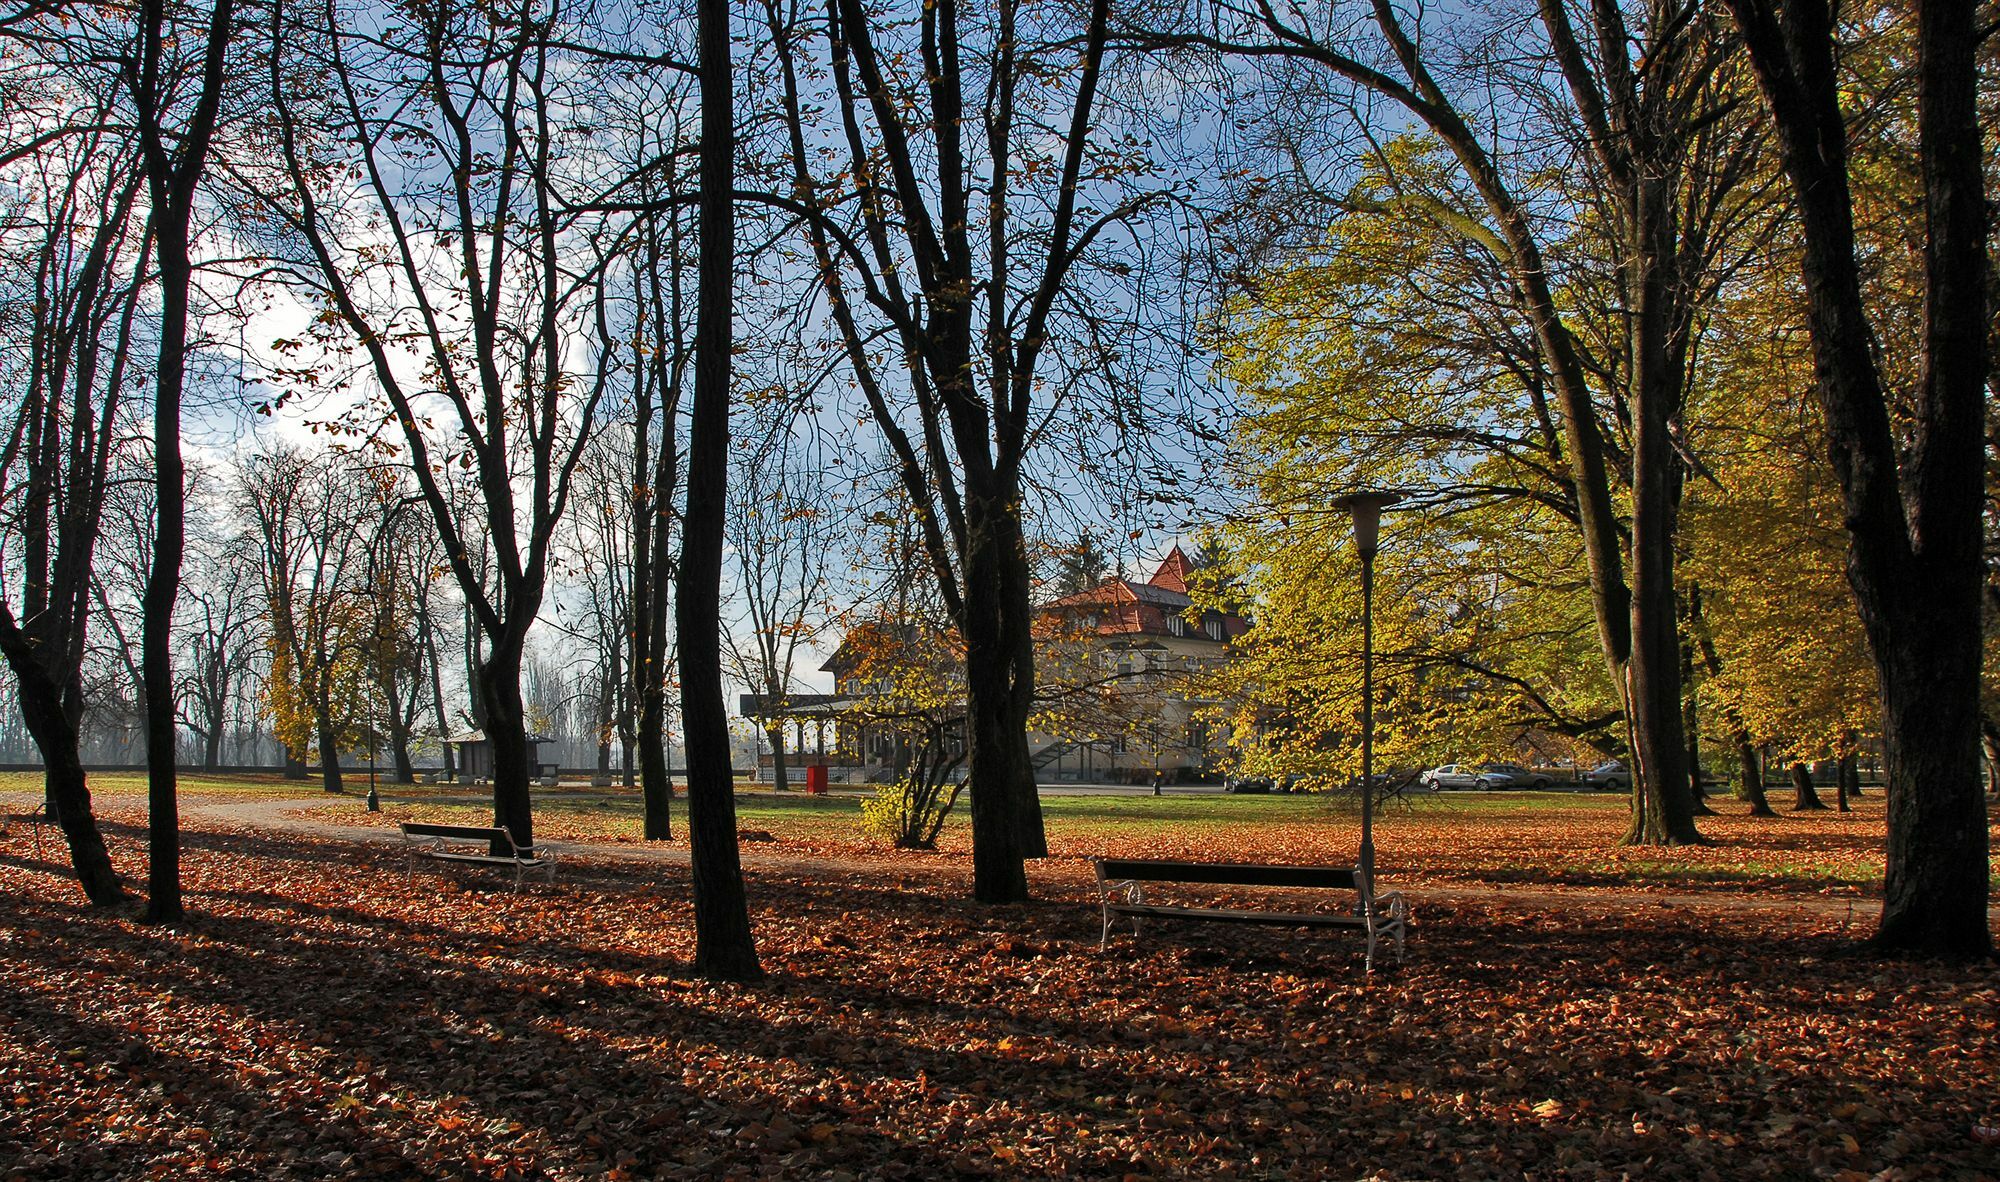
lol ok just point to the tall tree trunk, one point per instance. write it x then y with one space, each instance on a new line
1691 727
427 633
329 757
776 734
173 175
400 719
67 790
725 948
999 766
1847 774
506 733
1989 739
655 777
1915 495
1805 797
1750 779
1662 805
606 713
652 518
399 752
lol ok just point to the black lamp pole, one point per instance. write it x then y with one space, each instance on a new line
1366 508
374 799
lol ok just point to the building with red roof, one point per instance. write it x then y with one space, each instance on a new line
1118 673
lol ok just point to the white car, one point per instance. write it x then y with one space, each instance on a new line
1455 776
1482 777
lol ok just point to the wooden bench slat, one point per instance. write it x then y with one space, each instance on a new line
1228 873
487 859
1121 882
1288 919
462 832
429 841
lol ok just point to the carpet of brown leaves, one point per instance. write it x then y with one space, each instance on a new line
320 1016
1548 839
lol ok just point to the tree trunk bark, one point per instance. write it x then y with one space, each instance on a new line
399 754
1000 686
779 770
1914 497
163 581
64 783
655 777
1662 806
1804 796
1847 773
1989 740
725 948
1750 779
1691 727
329 758
1936 887
295 765
506 733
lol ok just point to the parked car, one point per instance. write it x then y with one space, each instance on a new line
1517 776
1254 786
1452 777
1610 776
1483 777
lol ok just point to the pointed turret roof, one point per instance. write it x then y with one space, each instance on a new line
1173 572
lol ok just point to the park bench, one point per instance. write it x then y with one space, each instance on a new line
453 843
1121 884
34 820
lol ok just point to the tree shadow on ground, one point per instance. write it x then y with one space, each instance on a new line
324 1006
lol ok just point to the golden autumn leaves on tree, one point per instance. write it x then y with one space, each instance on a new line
1392 359
1392 355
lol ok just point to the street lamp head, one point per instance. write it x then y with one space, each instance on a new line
1366 505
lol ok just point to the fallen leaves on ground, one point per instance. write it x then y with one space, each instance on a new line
1543 840
320 1015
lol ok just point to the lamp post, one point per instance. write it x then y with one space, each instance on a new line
374 797
1366 507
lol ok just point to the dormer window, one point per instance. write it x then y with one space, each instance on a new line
1213 626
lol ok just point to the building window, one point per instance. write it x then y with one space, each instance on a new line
1214 627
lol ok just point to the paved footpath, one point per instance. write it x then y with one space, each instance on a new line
286 815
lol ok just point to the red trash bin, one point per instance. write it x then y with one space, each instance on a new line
815 780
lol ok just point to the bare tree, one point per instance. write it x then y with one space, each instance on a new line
953 227
175 151
725 947
782 532
310 514
398 572
599 541
221 635
75 261
459 122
